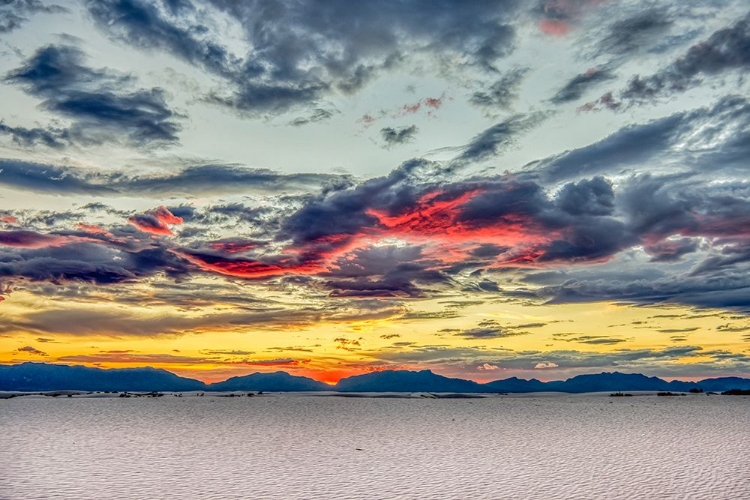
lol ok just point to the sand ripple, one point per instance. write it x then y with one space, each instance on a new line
345 448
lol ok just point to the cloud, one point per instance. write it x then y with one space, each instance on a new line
544 365
672 250
676 360
489 329
498 138
226 352
589 339
88 262
129 357
487 367
55 138
274 362
31 239
708 138
318 115
580 84
634 33
587 197
559 17
189 181
99 103
31 350
725 50
155 221
128 323
15 13
397 136
282 62
502 94
421 231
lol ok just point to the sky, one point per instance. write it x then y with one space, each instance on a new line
483 189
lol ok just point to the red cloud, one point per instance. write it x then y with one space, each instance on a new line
437 220
8 219
248 268
155 221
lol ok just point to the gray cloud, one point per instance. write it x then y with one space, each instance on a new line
14 13
502 94
580 84
726 49
189 181
635 33
490 329
99 103
498 138
396 136
287 64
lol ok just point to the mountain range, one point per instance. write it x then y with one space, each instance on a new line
37 377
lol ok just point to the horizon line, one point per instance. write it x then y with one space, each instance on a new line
333 384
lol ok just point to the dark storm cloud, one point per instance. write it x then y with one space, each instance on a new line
14 13
285 61
580 84
725 50
190 181
99 103
396 136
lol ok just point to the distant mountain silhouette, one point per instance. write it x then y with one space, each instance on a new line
406 381
724 384
271 382
515 384
49 377
38 377
617 382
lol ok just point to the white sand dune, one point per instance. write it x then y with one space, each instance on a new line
300 446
